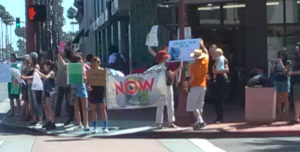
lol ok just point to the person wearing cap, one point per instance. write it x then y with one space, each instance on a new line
197 84
161 58
35 97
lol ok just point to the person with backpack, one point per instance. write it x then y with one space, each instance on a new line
117 60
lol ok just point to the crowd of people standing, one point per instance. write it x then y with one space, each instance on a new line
40 103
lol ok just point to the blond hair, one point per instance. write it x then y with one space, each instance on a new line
219 52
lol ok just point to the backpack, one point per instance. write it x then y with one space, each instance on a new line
120 64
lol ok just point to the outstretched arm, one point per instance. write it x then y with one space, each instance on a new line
61 59
203 47
151 51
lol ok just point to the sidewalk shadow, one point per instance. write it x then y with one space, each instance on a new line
249 125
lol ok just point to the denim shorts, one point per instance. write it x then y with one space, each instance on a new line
81 91
281 86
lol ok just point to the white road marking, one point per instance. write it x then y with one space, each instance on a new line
205 145
1 143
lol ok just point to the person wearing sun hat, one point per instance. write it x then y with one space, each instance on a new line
161 58
197 84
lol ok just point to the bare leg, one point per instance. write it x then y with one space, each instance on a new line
297 110
77 111
18 106
12 107
49 110
46 110
94 112
84 104
278 106
102 107
286 105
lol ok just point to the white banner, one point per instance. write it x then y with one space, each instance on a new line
180 50
136 90
5 72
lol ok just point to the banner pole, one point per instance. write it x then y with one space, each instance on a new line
180 72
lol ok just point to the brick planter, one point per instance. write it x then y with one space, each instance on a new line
260 105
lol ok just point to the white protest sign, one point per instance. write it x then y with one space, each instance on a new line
152 37
5 73
180 50
37 83
17 74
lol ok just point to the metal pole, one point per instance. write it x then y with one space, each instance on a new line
30 31
1 40
181 19
284 24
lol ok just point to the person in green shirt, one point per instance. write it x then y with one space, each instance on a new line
14 89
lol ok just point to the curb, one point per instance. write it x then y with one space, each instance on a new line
6 124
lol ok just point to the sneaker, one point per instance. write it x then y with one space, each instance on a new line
105 130
46 125
159 126
78 128
173 126
95 130
218 121
39 124
198 126
52 126
86 128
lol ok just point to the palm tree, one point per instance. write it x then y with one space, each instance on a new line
71 13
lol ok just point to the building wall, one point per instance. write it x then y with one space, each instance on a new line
87 42
143 15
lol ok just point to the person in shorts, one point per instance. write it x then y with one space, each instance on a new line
282 84
97 94
197 84
48 77
14 89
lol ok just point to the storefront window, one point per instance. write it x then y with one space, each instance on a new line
233 13
275 10
209 14
282 34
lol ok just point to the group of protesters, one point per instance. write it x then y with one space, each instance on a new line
196 83
39 102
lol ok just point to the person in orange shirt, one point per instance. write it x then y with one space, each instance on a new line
197 84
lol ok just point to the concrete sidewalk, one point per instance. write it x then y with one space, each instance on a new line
139 123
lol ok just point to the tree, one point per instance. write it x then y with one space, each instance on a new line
21 44
7 19
21 32
71 13
68 37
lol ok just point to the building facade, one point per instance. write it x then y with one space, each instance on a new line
251 32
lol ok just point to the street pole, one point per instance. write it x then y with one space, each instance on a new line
181 19
30 31
2 41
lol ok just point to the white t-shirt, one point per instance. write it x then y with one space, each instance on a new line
112 58
220 64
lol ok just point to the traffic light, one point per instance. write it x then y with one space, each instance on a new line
36 13
18 22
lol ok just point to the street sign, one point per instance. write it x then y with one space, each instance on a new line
36 13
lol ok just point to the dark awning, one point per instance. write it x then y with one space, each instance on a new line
78 36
